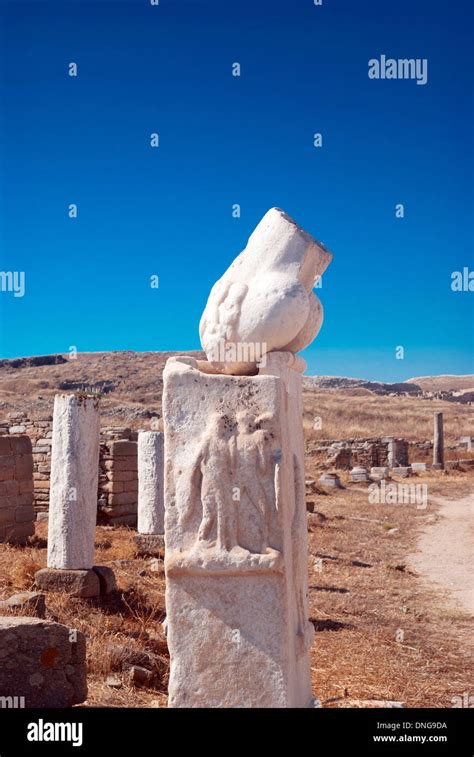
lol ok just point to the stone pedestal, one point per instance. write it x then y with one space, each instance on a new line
380 471
236 541
438 442
359 474
330 479
42 664
100 580
151 509
74 477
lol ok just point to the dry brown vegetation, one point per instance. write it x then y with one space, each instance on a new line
444 383
121 629
361 589
345 415
361 593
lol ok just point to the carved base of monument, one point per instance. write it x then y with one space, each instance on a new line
152 545
98 581
236 540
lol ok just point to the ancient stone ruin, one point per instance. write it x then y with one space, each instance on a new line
73 505
236 535
16 489
365 453
118 479
42 664
151 505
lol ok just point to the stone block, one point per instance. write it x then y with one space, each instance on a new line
401 471
236 572
359 474
124 475
25 486
9 488
123 498
123 448
23 466
7 516
331 480
77 583
24 513
420 466
122 464
17 429
5 446
131 486
20 532
113 487
24 603
106 578
21 445
380 471
40 663
7 461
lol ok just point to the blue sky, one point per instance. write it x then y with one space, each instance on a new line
226 140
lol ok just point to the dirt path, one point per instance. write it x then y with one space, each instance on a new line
445 555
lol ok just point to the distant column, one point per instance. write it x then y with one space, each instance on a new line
151 509
392 453
438 441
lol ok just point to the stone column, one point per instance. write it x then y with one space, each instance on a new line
438 442
392 453
151 509
73 499
236 536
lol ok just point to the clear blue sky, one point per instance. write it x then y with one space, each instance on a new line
226 140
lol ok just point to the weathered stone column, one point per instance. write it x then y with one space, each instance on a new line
392 453
74 478
151 507
236 542
73 499
438 442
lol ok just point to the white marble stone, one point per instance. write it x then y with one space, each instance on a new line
151 507
264 302
359 474
330 479
74 478
236 536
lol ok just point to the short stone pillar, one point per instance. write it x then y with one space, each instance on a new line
392 453
359 473
42 664
330 479
438 442
73 497
74 478
236 536
151 508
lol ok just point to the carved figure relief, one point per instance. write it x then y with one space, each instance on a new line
231 504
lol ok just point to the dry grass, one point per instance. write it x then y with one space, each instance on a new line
120 629
345 415
361 594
